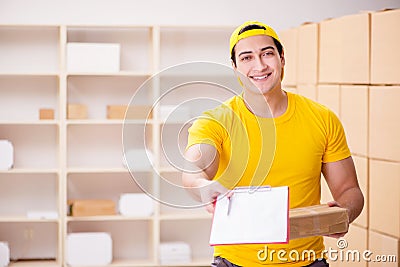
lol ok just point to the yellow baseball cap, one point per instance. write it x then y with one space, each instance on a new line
236 36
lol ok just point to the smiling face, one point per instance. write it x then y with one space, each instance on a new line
257 58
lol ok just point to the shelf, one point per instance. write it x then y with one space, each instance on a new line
34 263
112 74
107 218
24 219
84 159
108 122
29 171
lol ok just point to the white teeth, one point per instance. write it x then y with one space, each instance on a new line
259 78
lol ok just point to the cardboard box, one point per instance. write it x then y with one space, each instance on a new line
385 53
91 207
317 220
355 56
309 91
77 111
383 245
329 96
307 66
116 111
330 51
289 39
139 112
354 110
46 114
93 57
384 197
384 127
344 54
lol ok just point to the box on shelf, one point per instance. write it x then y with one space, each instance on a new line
47 215
93 57
77 111
6 155
4 254
317 220
89 249
91 207
46 114
139 112
175 253
116 112
135 204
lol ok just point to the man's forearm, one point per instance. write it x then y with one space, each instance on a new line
353 200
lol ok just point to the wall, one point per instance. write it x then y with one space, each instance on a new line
279 14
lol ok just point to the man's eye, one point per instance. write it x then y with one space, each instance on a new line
247 58
269 53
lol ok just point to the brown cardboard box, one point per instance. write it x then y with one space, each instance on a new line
329 95
309 91
77 111
317 220
307 71
344 55
383 245
91 207
384 197
384 127
46 114
385 53
354 117
330 51
139 112
355 56
116 111
289 41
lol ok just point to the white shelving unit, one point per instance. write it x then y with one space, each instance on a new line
61 159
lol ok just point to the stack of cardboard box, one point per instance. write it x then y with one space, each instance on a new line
352 65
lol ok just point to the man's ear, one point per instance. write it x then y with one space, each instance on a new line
283 58
233 64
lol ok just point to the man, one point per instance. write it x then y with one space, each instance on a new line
267 136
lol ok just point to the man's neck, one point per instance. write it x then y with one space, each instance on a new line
273 104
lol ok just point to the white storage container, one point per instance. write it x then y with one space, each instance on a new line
175 253
6 155
93 57
136 204
4 254
89 249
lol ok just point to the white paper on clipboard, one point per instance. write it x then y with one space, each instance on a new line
256 216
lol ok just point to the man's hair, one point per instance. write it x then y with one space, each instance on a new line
252 27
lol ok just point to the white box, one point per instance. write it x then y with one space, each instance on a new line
175 253
135 204
138 159
42 215
6 155
4 254
89 249
93 57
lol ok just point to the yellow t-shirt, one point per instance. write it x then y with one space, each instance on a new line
285 151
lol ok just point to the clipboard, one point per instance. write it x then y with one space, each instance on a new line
252 215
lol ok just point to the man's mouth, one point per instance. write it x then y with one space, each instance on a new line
260 77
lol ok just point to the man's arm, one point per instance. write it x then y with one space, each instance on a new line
341 178
202 165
